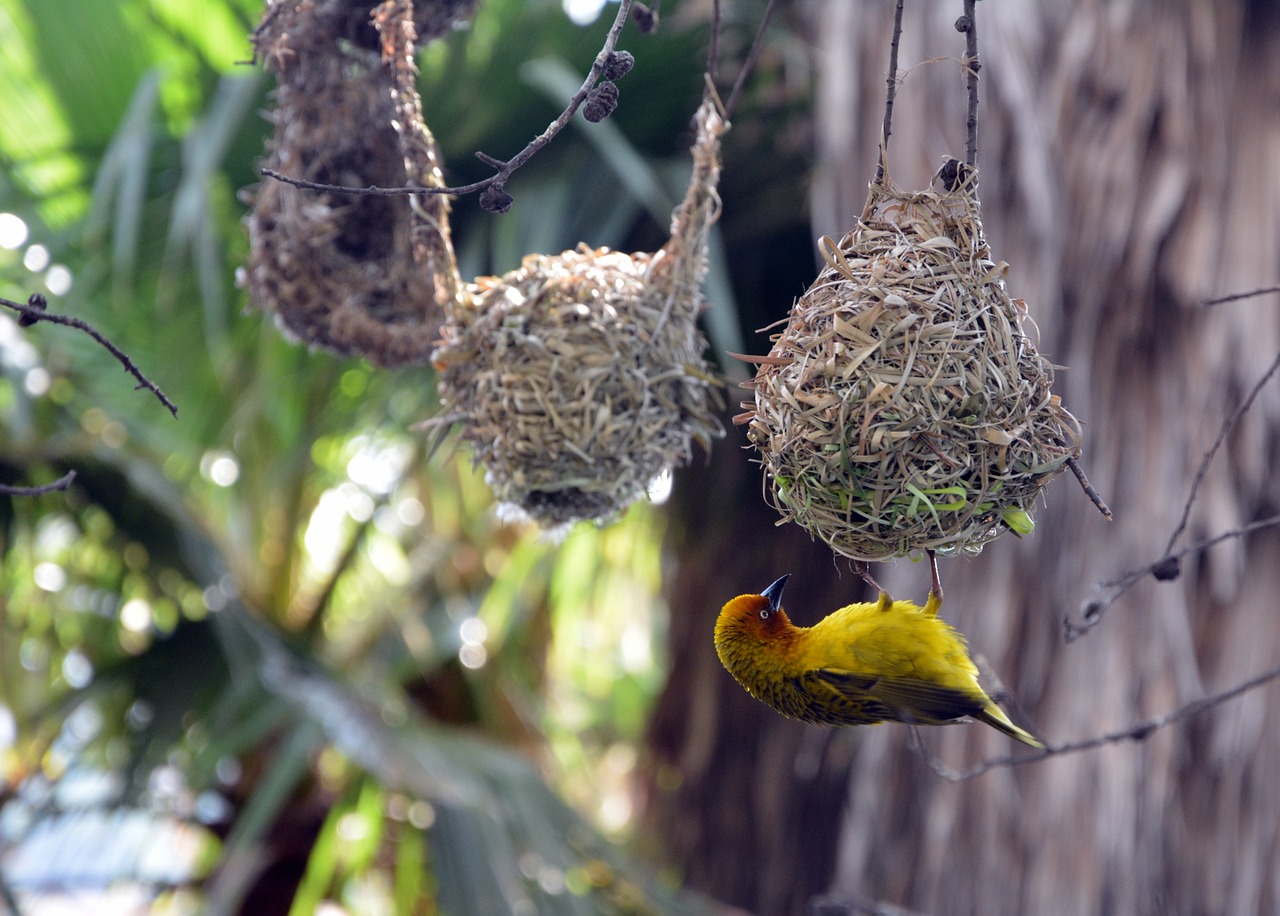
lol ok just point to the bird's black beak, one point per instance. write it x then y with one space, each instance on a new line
774 592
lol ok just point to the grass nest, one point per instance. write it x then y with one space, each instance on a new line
578 378
904 407
358 275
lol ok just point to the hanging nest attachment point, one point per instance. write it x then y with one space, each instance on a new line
359 275
904 408
578 378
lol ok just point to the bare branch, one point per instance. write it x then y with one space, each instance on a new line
752 56
713 47
504 168
1089 491
35 312
971 67
1137 732
1234 297
1230 423
891 90
60 484
1168 565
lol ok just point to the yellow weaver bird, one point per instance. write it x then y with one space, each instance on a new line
863 664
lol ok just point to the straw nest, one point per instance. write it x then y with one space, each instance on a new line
355 274
904 407
578 378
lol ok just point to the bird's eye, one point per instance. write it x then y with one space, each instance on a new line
764 613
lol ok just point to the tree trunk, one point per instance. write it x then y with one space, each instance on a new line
1129 153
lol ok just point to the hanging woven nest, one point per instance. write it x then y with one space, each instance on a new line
904 407
358 275
578 378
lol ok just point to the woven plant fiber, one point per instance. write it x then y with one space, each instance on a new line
904 407
358 275
578 378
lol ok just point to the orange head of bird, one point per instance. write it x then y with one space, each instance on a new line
760 616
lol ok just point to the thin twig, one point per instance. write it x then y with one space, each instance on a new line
752 56
60 484
1227 426
504 168
373 190
1167 567
1237 296
971 67
713 47
1094 496
891 90
1137 732
34 313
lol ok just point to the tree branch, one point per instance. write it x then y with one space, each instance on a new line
891 90
1168 566
1094 496
60 484
1137 732
1227 426
752 56
503 168
35 312
1237 296
971 67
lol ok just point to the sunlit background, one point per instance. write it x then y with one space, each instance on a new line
251 616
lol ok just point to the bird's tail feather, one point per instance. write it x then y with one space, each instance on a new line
994 716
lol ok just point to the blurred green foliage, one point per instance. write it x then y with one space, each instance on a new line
361 681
